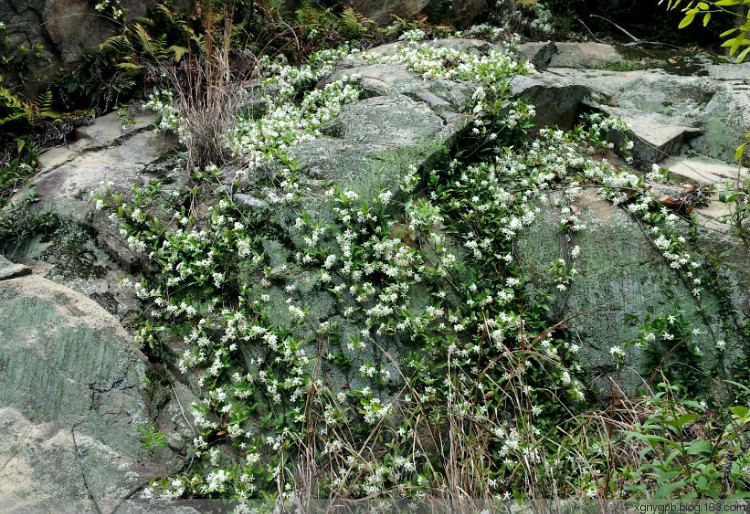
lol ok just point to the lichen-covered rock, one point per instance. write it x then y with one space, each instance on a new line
623 278
70 403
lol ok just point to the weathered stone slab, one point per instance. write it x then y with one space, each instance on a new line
584 55
11 270
704 170
70 403
655 137
65 189
109 130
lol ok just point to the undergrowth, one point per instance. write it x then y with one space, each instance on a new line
435 371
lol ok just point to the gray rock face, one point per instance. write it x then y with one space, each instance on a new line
540 54
462 12
715 106
57 32
70 403
104 152
73 388
11 270
690 125
557 101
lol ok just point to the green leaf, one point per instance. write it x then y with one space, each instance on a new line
654 440
178 51
128 66
685 419
668 489
700 447
734 43
706 19
726 33
741 412
688 19
728 2
743 54
741 148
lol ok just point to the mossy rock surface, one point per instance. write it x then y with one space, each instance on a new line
70 403
623 279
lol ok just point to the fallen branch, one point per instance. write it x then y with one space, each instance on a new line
635 41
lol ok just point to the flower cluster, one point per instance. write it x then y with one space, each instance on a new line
391 317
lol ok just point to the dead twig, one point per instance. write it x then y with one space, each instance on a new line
635 41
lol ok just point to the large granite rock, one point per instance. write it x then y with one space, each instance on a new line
70 402
55 33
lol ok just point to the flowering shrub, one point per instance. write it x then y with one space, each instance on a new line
456 382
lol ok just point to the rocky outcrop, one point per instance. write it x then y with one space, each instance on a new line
59 347
74 392
667 104
85 252
70 401
624 277
48 34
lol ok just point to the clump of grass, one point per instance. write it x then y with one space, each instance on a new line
208 96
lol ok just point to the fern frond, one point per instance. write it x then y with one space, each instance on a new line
145 39
178 52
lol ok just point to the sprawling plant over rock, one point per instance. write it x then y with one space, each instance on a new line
385 343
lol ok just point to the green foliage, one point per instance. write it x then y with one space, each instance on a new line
686 452
16 170
20 221
151 437
703 11
320 24
128 63
672 355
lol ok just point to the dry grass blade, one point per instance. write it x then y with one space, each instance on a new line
209 92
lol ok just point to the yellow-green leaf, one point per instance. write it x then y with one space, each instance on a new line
687 20
128 66
739 152
706 19
179 52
